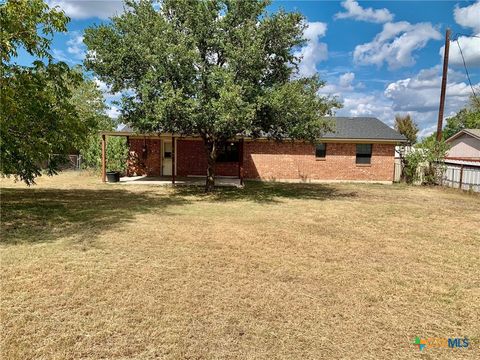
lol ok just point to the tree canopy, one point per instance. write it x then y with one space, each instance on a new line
217 69
21 21
466 118
39 117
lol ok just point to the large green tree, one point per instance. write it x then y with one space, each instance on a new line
466 118
39 118
217 69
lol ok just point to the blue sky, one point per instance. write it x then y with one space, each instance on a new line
380 58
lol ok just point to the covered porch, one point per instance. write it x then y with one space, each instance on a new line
155 159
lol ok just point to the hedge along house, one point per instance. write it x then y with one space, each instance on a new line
360 149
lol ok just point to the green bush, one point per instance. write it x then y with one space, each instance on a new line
117 154
425 162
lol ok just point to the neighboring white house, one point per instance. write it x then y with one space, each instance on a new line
464 145
463 160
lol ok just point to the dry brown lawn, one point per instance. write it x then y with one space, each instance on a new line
271 271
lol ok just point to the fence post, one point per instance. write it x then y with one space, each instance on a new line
461 176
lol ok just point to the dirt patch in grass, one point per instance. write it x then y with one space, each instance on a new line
270 271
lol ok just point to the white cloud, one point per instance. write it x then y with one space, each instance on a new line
468 16
377 105
356 12
470 48
395 44
84 9
418 96
113 112
346 79
76 49
60 55
340 86
112 99
427 131
422 92
314 51
374 104
106 91
102 86
75 46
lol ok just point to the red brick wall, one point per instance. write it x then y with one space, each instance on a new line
270 161
138 163
192 160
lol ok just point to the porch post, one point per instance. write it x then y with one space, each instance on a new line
128 156
173 160
240 161
104 158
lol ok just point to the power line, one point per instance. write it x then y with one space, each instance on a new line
463 59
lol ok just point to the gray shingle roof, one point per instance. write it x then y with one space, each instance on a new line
368 128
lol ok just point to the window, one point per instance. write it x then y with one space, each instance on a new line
229 153
321 151
167 150
364 153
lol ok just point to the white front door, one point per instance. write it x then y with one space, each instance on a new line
167 158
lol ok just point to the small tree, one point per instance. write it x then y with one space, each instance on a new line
216 69
405 125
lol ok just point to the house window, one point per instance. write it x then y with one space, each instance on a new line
229 153
321 151
364 153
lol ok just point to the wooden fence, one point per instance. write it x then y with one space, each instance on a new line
464 177
397 170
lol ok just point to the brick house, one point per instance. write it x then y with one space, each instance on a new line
360 149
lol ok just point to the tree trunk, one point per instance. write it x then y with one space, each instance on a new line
211 152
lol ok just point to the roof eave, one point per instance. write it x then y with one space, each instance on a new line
460 133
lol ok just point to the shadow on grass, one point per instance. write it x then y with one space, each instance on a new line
268 192
41 215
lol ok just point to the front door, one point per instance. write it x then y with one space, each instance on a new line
167 158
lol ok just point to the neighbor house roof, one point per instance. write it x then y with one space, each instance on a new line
346 128
472 132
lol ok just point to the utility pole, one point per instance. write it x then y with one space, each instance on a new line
444 85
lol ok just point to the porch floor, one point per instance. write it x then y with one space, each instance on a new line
167 180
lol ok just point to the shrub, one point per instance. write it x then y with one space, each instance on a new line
117 154
425 163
